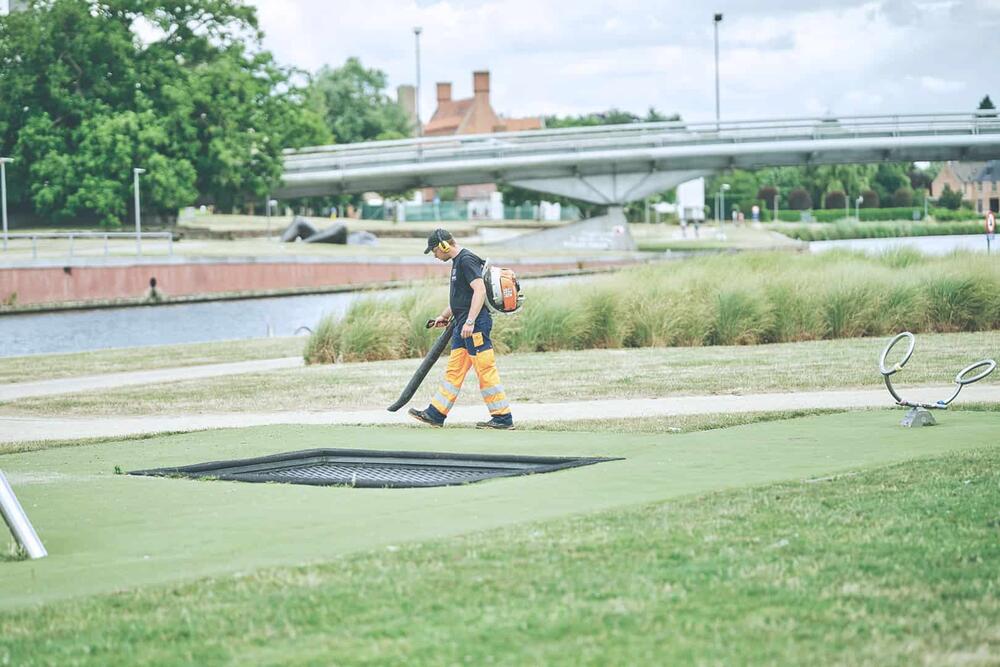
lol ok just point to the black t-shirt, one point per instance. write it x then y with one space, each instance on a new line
465 268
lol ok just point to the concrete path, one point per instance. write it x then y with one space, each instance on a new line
21 429
10 392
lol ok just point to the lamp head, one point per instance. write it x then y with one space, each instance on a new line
718 18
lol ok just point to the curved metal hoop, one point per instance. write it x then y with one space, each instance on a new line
988 363
888 348
988 366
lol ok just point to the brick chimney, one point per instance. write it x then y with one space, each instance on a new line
481 84
444 92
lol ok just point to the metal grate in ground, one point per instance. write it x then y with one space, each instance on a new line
373 468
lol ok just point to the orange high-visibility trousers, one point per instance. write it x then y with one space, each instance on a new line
475 352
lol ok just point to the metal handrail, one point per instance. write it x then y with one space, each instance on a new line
659 128
72 236
444 149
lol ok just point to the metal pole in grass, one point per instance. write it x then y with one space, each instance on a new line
138 220
416 104
3 195
715 24
857 207
15 518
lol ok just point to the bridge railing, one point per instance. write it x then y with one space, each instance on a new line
632 136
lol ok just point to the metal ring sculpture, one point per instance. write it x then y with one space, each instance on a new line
963 378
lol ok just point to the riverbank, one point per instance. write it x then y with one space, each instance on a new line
117 282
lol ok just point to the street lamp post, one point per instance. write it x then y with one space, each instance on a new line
722 209
715 24
270 203
3 196
416 104
857 207
138 217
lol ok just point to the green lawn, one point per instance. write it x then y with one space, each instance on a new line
51 366
548 377
108 531
816 540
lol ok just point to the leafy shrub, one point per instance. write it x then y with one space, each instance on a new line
902 197
799 200
835 199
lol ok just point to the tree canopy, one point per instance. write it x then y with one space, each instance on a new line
200 106
609 117
353 102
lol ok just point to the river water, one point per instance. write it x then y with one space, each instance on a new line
928 245
137 326
101 328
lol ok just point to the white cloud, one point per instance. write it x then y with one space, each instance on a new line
935 85
777 57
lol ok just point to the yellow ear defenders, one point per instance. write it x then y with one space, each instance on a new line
444 246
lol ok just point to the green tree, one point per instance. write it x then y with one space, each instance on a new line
950 199
986 103
355 106
86 99
890 177
610 117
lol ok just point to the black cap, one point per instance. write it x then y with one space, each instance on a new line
436 237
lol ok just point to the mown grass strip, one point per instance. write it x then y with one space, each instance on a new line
552 377
889 566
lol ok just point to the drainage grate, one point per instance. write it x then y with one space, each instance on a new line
373 468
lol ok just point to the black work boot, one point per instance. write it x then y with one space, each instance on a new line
422 416
498 423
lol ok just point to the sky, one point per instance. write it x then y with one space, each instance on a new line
777 58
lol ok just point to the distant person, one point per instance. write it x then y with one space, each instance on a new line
471 346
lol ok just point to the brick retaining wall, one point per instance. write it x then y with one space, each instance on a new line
95 283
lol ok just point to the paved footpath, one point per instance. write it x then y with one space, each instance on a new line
21 429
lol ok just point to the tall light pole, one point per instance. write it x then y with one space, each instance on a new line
3 196
857 207
416 103
715 24
138 217
270 203
722 209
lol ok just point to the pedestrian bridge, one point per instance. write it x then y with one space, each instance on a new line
615 164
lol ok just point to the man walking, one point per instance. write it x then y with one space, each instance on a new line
471 346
